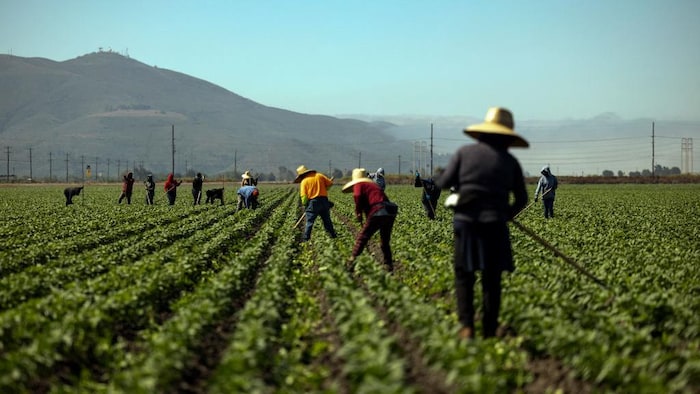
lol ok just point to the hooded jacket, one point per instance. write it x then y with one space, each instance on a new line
378 178
547 185
128 183
171 183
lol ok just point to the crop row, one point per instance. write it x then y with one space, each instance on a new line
642 336
35 239
209 299
81 323
166 351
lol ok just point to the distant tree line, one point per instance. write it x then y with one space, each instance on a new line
285 174
659 170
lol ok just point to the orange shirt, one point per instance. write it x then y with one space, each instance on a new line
315 185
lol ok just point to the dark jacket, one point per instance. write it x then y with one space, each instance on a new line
431 191
150 184
484 176
197 183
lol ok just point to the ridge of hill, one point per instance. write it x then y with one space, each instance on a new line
105 108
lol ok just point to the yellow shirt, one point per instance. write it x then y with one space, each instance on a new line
313 186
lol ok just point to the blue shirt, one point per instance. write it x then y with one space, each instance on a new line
247 193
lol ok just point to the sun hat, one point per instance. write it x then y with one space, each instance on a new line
359 175
498 121
301 172
246 175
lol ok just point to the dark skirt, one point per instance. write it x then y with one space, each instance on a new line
482 246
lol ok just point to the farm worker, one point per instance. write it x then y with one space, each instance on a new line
69 192
371 201
313 190
197 183
127 187
378 178
247 197
170 188
484 175
248 180
430 196
547 185
150 186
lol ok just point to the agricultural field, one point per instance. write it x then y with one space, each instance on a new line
102 297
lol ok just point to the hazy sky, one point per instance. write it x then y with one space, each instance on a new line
543 59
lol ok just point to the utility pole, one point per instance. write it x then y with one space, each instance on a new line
50 167
399 164
652 149
66 167
173 143
359 161
431 149
82 166
416 157
235 161
8 165
31 178
108 169
329 168
119 164
96 161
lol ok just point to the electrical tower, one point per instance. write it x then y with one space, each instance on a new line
686 155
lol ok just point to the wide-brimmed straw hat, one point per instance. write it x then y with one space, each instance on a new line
246 175
498 121
359 175
301 173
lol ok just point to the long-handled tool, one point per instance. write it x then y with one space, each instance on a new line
564 257
168 191
430 204
303 214
530 204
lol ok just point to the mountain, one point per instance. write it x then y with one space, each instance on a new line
113 112
576 147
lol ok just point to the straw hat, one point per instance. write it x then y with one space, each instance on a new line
301 172
359 175
498 121
246 175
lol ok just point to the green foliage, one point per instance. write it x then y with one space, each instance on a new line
101 297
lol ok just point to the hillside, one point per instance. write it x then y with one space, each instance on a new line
105 108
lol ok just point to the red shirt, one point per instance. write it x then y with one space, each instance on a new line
128 185
368 198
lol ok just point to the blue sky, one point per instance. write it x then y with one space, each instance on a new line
543 59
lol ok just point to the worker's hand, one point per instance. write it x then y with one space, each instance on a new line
359 218
535 199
